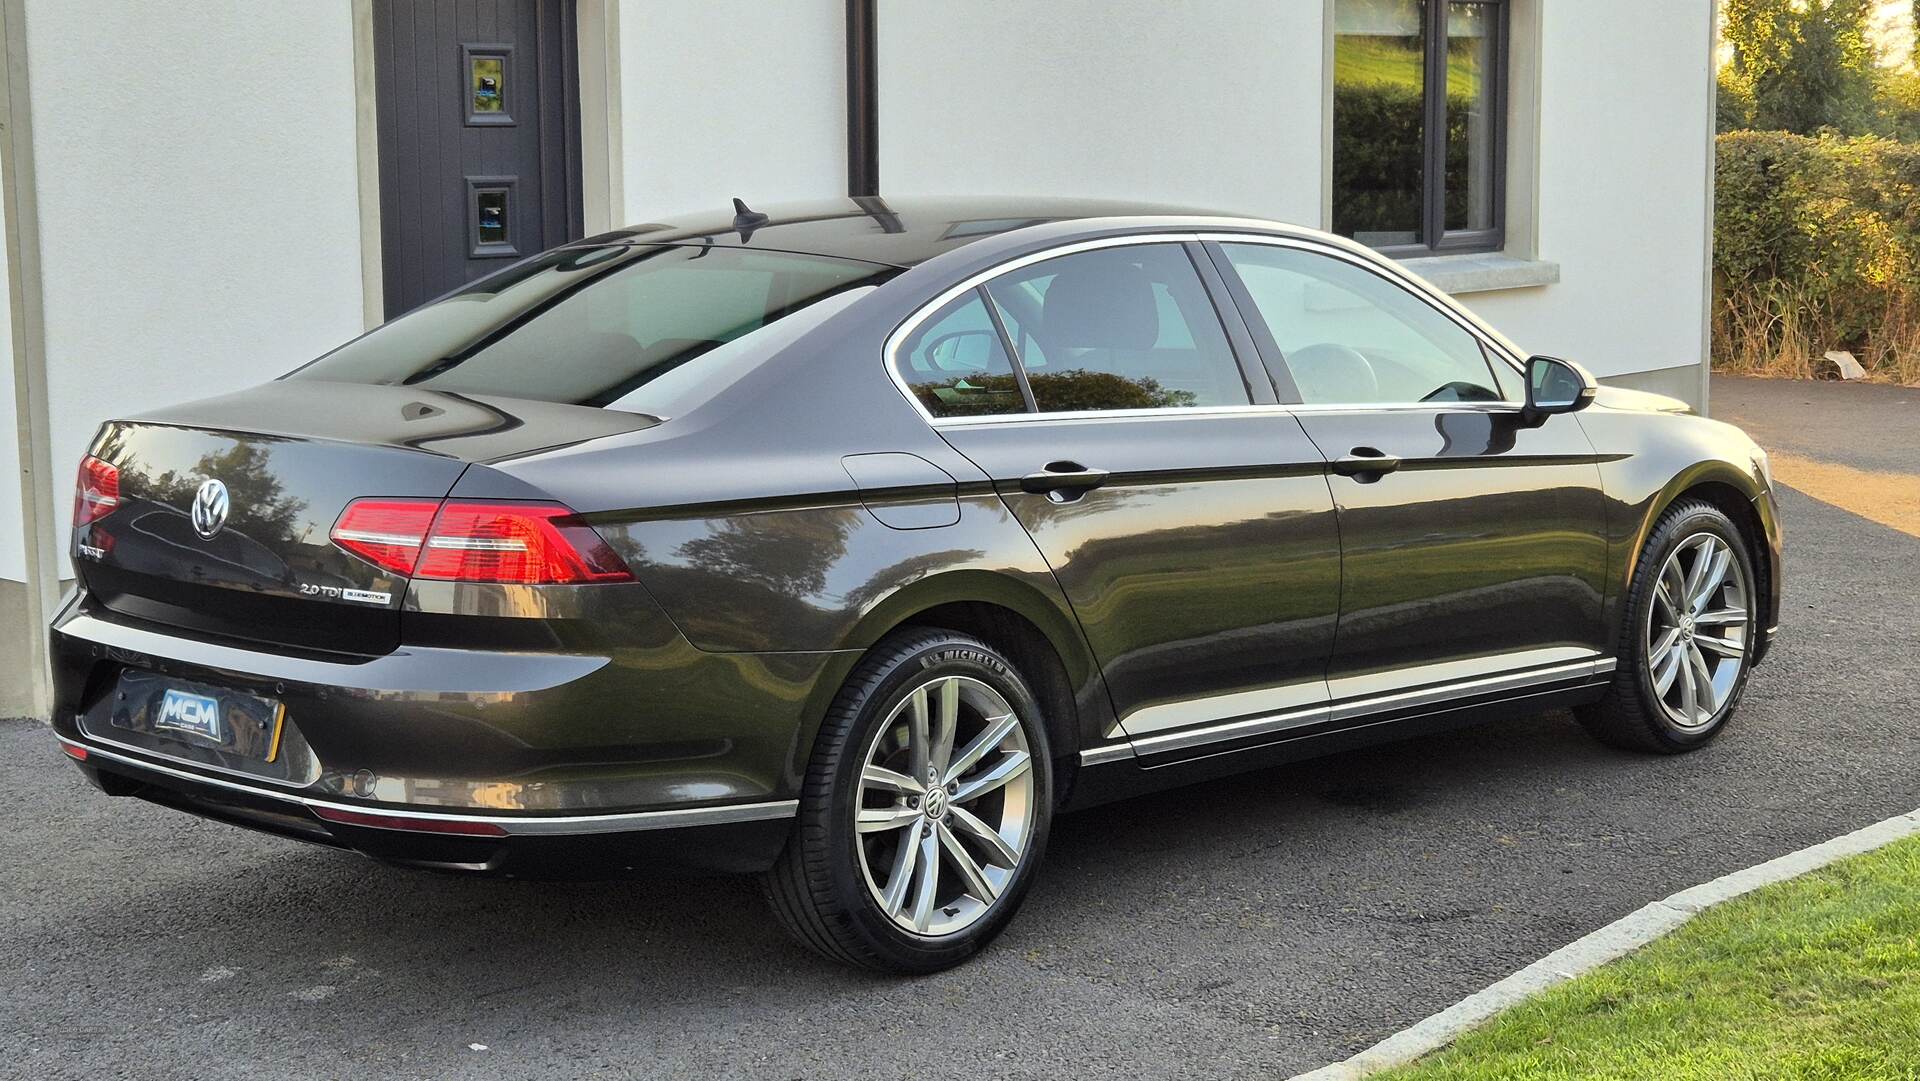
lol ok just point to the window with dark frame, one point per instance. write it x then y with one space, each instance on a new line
1419 124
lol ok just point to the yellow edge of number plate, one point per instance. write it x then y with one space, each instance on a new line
279 722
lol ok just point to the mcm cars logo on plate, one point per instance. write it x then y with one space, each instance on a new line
210 509
186 712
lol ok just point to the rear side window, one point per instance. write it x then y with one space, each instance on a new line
955 363
1118 328
589 326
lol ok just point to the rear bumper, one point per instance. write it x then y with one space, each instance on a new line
590 756
735 838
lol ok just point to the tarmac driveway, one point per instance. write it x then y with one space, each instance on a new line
1257 926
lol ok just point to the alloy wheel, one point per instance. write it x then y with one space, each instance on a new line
945 810
1697 630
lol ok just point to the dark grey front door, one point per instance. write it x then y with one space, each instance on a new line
479 138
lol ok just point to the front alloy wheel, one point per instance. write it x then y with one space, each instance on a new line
1687 636
924 811
1697 630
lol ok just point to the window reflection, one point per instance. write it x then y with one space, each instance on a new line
1118 328
1471 103
956 365
1379 120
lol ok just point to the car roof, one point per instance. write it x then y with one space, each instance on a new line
899 232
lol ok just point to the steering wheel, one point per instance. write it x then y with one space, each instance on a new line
1330 372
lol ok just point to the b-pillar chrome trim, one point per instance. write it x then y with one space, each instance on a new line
513 825
1350 709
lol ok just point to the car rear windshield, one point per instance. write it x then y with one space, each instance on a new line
590 326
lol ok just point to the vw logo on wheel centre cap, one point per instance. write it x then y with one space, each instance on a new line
210 509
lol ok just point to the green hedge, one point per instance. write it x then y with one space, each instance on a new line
1816 247
1378 129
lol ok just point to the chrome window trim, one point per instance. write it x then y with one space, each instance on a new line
901 333
1392 274
516 826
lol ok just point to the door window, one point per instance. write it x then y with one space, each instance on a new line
1352 337
1118 328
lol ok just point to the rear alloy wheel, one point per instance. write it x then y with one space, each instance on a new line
925 809
946 805
1688 637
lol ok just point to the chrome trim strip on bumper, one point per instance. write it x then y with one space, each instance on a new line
1268 724
514 825
455 671
99 740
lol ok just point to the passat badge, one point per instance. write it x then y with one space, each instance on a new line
210 509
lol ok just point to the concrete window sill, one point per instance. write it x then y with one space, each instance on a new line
1483 272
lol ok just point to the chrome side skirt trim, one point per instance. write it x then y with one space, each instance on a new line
1100 756
1251 726
1509 681
514 825
1267 701
1268 724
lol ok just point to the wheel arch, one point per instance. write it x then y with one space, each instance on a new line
1037 632
1729 490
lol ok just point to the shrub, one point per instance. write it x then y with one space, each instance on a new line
1897 105
1816 247
1734 105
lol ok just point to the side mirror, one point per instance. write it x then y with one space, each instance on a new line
1556 386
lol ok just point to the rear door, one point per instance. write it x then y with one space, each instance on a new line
1474 543
1190 527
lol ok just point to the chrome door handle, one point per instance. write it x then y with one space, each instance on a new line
1363 462
1064 477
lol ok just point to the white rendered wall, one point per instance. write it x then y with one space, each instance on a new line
1625 131
1208 103
199 214
727 98
13 539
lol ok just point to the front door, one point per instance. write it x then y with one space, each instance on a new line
1193 535
1473 543
479 124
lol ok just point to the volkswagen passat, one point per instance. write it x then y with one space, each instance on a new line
852 543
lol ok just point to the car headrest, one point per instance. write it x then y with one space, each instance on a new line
1100 302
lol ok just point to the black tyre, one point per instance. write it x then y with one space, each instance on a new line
1688 640
925 808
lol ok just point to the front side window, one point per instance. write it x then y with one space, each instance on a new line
1351 337
1418 128
1126 327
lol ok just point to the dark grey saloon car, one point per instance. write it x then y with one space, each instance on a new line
850 543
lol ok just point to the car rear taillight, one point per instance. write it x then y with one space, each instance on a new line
458 541
387 533
97 492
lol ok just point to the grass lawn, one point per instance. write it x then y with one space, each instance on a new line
1816 978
